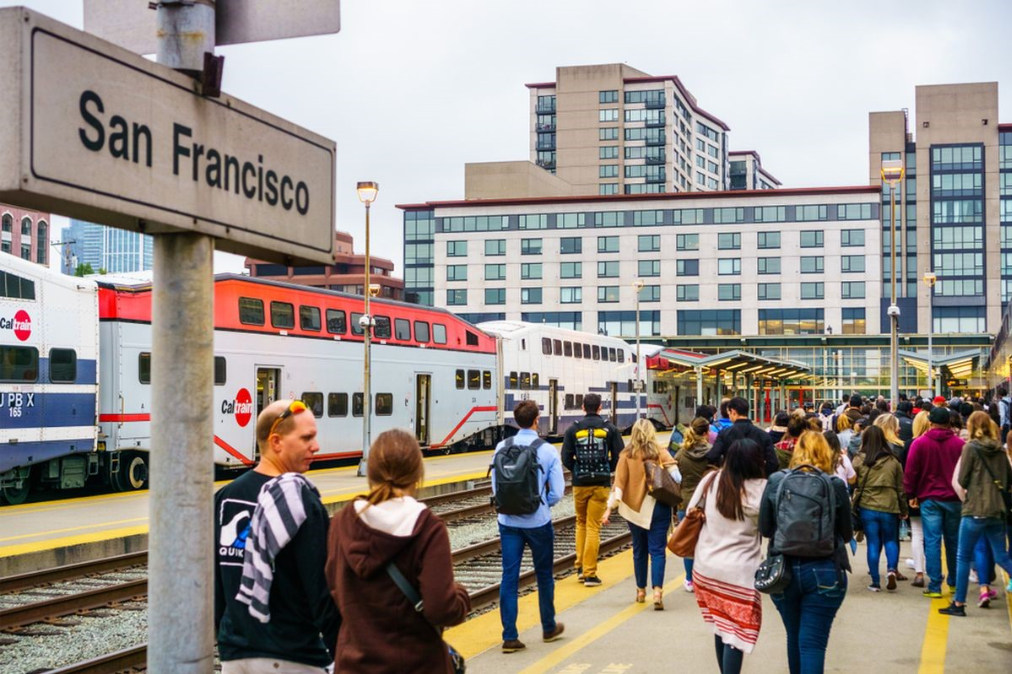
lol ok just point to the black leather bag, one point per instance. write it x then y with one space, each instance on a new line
773 575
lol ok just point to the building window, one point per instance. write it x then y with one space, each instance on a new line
610 96
607 115
960 319
530 296
26 226
8 223
956 238
810 214
649 268
456 249
852 290
729 266
854 212
768 265
811 239
607 171
650 294
456 298
852 264
569 245
687 241
709 322
769 291
530 246
495 272
607 244
649 243
607 294
495 247
607 188
607 269
852 238
687 293
687 267
456 272
853 321
539 221
791 321
530 270
728 292
769 239
608 133
495 296
571 295
608 152
812 264
623 323
770 214
571 270
729 241
813 291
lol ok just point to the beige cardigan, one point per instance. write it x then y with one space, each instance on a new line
630 487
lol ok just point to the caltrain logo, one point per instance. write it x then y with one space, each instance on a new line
241 407
21 324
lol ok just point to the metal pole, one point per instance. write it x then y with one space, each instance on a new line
366 386
638 363
699 385
894 366
181 510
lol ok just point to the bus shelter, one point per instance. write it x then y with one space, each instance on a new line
959 372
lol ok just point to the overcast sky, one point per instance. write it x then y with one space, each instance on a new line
411 89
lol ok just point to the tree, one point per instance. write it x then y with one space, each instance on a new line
83 269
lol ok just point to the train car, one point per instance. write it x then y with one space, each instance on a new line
431 371
671 391
49 353
556 367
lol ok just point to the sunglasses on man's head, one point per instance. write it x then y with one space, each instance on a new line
297 407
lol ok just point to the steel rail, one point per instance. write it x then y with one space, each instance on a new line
58 607
72 571
128 659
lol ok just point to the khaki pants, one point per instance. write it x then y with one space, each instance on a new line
591 503
269 666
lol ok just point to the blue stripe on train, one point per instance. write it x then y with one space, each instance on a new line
28 453
85 375
49 410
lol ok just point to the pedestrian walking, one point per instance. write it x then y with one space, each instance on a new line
986 475
784 449
379 543
778 429
692 464
742 428
844 431
526 482
928 479
727 553
1004 403
590 451
272 610
881 504
842 466
648 518
818 585
916 560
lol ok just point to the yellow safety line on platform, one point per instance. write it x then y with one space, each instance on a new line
570 648
936 638
25 548
83 526
1008 598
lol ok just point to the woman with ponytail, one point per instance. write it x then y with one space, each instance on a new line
372 539
692 464
648 518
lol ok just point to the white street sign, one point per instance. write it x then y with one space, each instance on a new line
94 131
131 23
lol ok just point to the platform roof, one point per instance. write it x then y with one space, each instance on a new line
960 365
736 361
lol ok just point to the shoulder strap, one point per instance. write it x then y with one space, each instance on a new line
410 592
867 472
706 491
980 457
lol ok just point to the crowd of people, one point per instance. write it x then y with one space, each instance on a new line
296 591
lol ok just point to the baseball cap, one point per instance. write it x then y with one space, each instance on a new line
938 400
940 416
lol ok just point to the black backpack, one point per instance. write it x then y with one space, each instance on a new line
591 445
518 481
805 510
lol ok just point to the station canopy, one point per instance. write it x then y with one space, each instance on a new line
960 365
736 362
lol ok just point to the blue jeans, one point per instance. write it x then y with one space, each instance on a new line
808 607
941 520
970 531
881 529
541 541
686 561
651 543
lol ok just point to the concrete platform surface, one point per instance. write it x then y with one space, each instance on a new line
607 633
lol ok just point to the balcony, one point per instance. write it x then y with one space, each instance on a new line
656 177
546 108
546 145
656 157
545 126
655 123
546 164
654 139
655 103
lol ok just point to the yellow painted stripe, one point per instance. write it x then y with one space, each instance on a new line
25 548
83 526
936 633
1008 598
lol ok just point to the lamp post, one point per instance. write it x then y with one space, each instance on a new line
929 280
892 173
366 194
637 287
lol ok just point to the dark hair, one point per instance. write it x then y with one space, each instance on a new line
905 406
866 409
827 407
781 418
796 426
744 461
833 440
903 397
882 405
1002 391
394 465
592 403
739 405
705 411
927 406
723 408
965 410
855 401
955 420
873 445
526 413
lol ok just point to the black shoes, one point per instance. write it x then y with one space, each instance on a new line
591 581
954 610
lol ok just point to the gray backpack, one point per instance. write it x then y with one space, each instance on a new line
805 508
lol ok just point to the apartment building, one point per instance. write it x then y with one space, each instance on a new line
612 129
953 207
25 233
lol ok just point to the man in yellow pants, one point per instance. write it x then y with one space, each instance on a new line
590 451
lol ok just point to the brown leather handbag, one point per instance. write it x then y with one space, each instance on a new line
683 541
661 485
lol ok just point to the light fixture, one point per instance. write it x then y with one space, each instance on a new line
367 191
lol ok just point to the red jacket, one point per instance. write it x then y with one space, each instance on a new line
931 463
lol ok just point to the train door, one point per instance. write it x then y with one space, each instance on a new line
614 402
268 386
677 406
553 406
423 391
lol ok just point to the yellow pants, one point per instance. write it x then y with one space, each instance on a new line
591 503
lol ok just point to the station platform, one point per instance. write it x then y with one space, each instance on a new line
52 533
607 633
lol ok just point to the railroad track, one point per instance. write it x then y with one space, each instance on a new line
72 572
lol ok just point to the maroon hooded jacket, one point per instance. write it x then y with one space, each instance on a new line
381 631
931 462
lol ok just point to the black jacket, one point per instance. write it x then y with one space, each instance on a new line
906 434
615 447
744 428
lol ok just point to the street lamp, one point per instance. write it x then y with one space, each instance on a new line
892 173
637 287
929 280
366 194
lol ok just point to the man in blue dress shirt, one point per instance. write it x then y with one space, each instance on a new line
534 530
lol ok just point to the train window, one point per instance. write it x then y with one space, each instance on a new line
612 356
569 401
513 380
439 334
402 329
595 350
337 323
421 331
62 366
309 318
557 346
356 325
567 349
577 350
15 287
474 379
220 371
472 338
586 351
314 401
460 379
579 401
337 404
534 381
384 404
525 381
486 379
660 386
356 405
282 315
251 311
546 346
144 367
523 344
621 355
19 364
382 328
